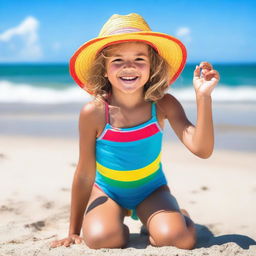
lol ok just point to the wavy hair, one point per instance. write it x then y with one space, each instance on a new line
154 88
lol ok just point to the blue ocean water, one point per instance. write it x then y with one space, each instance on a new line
51 83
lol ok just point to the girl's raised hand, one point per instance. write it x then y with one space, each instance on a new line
72 239
205 82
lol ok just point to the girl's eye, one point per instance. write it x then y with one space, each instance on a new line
117 60
120 60
139 59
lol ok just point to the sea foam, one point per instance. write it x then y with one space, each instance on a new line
26 93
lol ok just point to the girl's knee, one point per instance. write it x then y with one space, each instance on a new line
182 239
97 238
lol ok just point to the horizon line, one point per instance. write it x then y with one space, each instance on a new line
67 63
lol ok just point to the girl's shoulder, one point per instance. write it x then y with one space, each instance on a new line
92 107
168 99
93 113
168 105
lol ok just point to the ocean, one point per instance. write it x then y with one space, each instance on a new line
43 100
51 83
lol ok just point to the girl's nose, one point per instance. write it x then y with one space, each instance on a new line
128 64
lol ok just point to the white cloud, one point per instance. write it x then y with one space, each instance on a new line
21 43
184 33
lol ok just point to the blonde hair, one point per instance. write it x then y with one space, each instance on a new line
154 88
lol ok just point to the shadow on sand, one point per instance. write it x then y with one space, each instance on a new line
205 238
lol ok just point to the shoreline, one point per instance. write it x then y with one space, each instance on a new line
235 129
227 137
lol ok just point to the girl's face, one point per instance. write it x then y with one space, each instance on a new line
128 67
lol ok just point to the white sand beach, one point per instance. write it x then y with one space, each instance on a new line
36 175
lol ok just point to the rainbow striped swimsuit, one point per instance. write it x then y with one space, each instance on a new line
128 161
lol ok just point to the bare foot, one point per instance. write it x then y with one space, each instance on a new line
184 212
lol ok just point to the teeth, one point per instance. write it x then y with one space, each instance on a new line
129 78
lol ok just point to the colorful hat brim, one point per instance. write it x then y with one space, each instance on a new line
170 48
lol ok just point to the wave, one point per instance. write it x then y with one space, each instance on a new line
222 93
26 93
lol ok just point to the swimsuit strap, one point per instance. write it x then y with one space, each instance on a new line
106 112
153 109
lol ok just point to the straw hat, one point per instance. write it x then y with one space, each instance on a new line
126 28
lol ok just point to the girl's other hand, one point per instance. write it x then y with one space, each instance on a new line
205 82
72 239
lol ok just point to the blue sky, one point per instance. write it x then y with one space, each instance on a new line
51 30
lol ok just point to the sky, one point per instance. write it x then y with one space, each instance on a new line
50 31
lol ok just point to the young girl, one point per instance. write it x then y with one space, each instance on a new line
128 68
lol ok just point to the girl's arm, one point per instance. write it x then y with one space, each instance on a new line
84 175
199 138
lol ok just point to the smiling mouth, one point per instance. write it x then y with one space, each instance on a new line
129 78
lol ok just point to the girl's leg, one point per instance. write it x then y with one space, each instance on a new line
166 223
103 222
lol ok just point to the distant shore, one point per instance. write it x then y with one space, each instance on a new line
235 125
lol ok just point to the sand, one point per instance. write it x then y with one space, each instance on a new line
36 175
